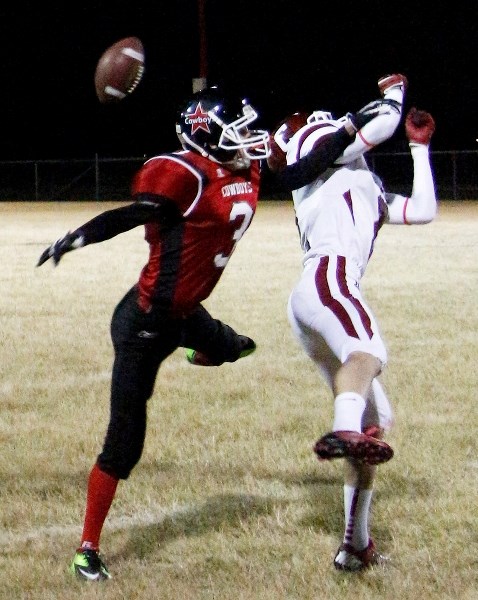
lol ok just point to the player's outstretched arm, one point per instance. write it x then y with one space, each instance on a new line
421 206
387 112
326 151
148 207
371 125
100 228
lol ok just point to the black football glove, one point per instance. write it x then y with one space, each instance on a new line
365 114
69 242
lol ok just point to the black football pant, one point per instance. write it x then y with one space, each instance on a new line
141 342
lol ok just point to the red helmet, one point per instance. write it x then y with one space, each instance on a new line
284 131
280 137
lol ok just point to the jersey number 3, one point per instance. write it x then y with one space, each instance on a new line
242 213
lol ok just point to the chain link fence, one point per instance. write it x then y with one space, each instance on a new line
99 178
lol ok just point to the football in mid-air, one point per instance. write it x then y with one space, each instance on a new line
119 70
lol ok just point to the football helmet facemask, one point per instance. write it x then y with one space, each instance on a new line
218 128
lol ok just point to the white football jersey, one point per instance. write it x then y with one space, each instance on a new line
331 218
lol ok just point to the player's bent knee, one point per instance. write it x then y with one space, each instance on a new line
119 465
367 363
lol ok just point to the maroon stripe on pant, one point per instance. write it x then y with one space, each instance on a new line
344 290
334 305
325 295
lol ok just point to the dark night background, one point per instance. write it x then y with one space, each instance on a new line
282 55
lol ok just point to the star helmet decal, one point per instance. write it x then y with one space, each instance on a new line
199 119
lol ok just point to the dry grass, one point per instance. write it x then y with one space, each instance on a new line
228 501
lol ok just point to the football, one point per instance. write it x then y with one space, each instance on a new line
119 70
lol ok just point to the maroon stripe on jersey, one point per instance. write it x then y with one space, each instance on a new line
348 199
325 295
344 290
382 217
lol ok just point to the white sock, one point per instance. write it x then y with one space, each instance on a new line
356 510
348 411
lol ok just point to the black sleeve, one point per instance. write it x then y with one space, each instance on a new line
320 158
147 208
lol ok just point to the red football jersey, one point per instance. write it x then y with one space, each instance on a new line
187 260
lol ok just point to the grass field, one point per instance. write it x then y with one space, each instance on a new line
228 501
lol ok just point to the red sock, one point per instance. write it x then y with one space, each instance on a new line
101 491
